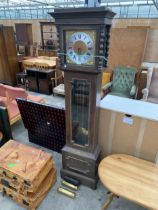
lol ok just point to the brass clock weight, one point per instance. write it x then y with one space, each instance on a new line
83 51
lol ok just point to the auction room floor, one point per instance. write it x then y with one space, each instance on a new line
87 199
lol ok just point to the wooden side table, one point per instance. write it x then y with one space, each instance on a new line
40 81
131 178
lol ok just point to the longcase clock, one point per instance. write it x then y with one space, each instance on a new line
83 51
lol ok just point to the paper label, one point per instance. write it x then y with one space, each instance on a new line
11 165
128 120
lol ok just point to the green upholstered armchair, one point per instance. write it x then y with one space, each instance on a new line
5 128
123 82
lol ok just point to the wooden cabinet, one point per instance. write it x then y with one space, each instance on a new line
48 53
40 81
32 80
48 35
8 56
24 36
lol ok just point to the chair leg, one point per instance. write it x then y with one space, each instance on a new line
53 85
109 200
56 82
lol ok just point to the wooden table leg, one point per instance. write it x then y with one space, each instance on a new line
109 200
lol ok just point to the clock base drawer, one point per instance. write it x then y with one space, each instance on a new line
87 181
84 165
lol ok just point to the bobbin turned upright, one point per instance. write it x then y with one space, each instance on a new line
83 51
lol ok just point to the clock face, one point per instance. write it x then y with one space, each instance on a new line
80 47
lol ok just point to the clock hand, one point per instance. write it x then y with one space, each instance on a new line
79 51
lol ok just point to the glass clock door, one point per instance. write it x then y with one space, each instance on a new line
80 108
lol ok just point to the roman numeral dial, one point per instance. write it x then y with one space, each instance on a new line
80 47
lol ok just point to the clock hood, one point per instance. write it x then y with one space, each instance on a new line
88 15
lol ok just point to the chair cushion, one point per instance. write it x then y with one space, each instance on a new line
3 101
119 94
3 98
13 110
60 89
2 90
123 80
153 89
35 98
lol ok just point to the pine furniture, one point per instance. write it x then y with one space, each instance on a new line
35 62
8 56
26 173
131 178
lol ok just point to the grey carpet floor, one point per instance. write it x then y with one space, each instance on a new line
86 198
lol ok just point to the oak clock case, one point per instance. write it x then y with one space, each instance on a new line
83 41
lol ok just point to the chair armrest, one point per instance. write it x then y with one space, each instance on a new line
108 85
3 103
133 90
13 92
145 92
56 78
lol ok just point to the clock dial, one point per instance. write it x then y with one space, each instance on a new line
80 47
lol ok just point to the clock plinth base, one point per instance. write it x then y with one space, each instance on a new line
81 165
92 183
